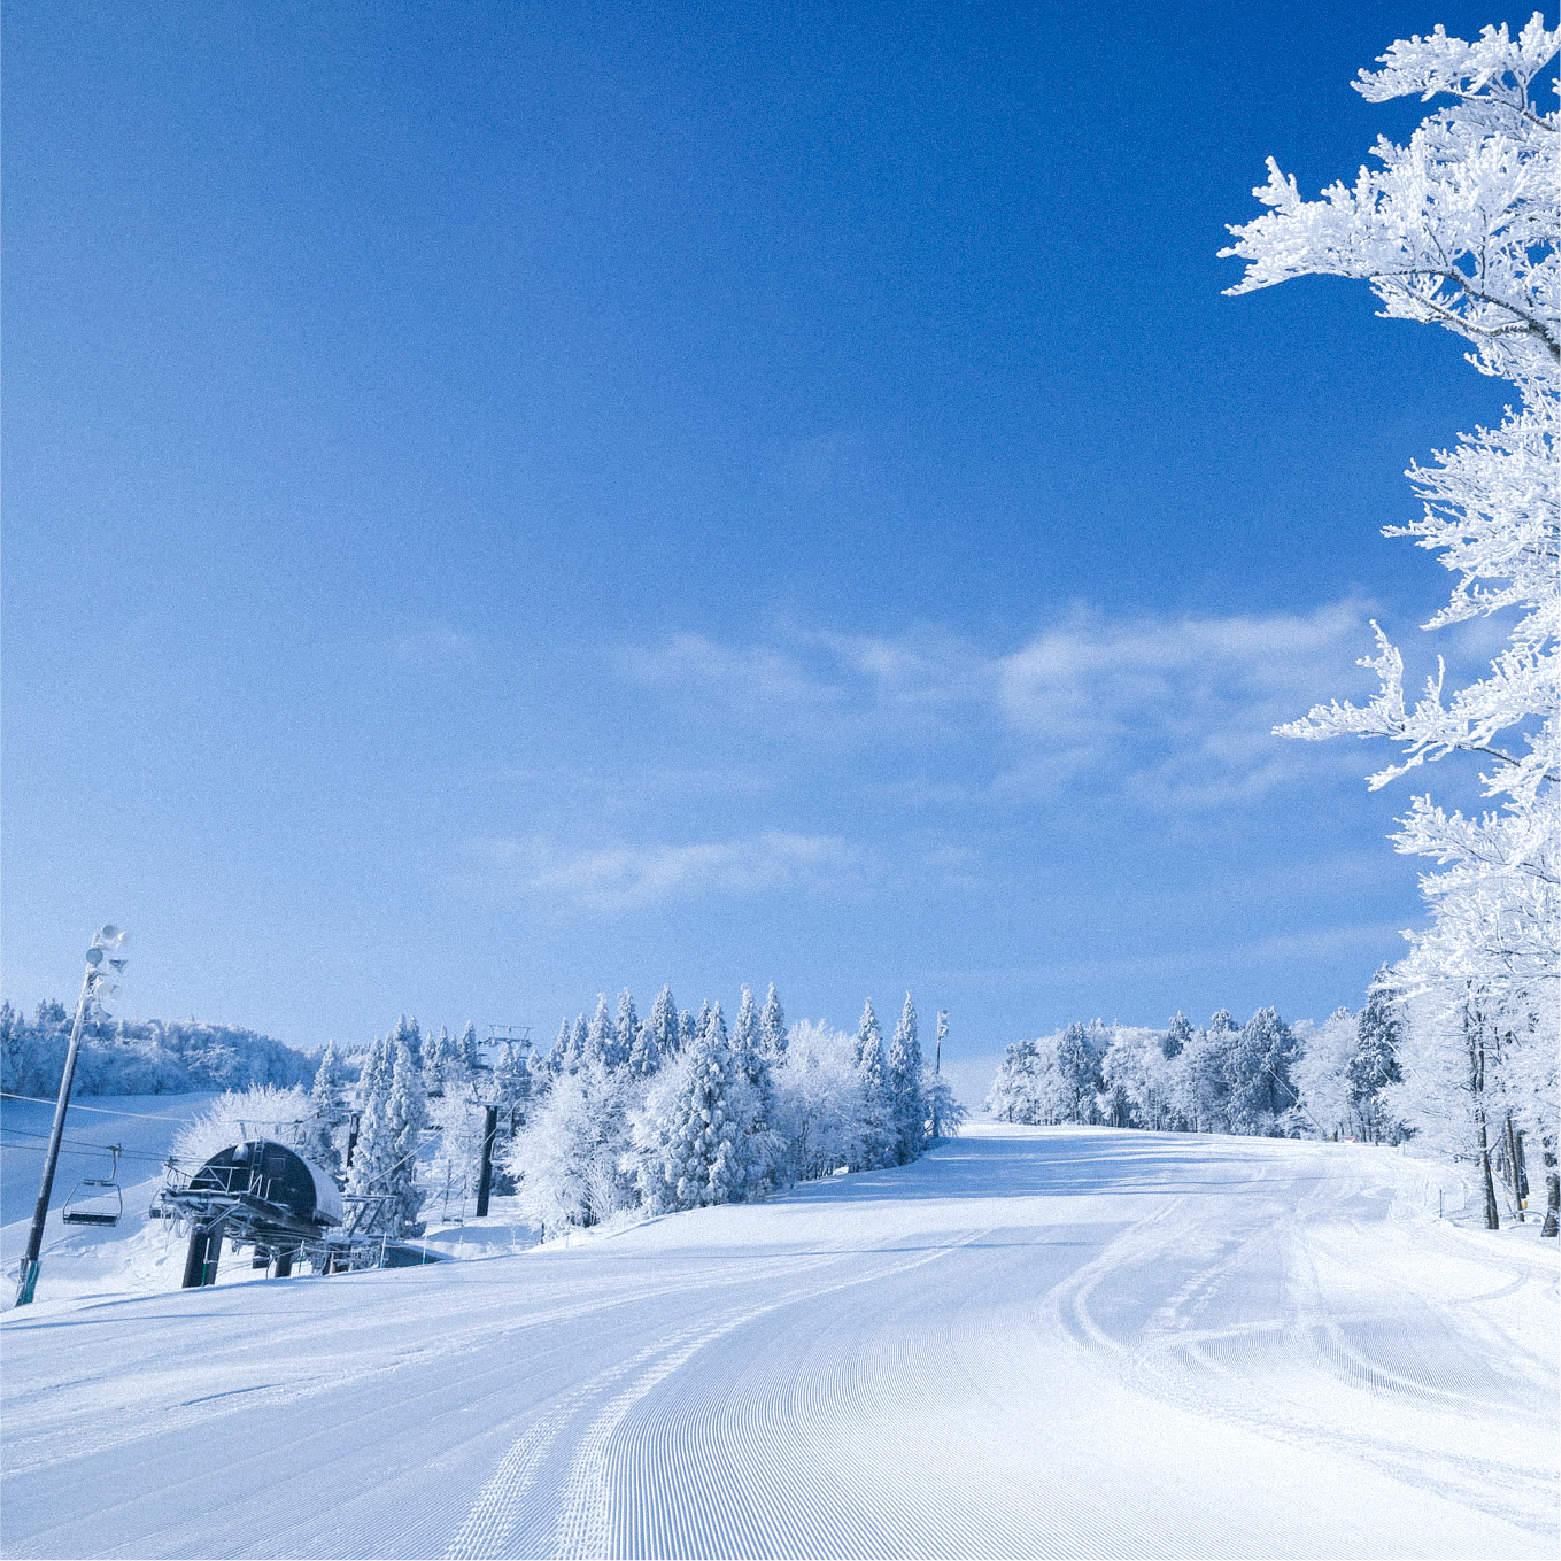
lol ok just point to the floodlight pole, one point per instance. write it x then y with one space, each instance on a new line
29 1279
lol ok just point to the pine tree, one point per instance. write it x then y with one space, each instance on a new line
745 1031
904 1087
374 1155
627 1026
1176 1038
688 1138
1078 1065
601 1039
761 1153
876 1138
407 1114
656 1040
558 1058
1375 1063
437 1060
326 1112
772 1027
1259 1073
579 1044
470 1053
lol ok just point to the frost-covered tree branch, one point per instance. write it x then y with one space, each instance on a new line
1460 229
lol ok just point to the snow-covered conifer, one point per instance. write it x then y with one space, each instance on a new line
875 1140
1177 1036
1375 1063
626 1025
688 1136
327 1111
384 1165
1078 1066
1259 1073
903 1081
601 1038
470 1052
656 1040
438 1062
772 1027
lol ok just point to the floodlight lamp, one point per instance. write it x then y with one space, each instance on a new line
94 956
110 937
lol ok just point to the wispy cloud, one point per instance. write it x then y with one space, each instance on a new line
632 877
1173 712
1369 938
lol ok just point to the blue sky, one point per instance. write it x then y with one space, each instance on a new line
504 502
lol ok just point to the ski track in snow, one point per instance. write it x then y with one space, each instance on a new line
1037 1342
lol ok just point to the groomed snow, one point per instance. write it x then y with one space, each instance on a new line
1036 1342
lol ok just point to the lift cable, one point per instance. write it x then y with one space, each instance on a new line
102 1111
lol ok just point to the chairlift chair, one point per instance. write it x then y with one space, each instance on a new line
96 1200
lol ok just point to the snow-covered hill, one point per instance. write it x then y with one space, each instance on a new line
1036 1342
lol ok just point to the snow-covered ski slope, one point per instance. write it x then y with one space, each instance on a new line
1037 1342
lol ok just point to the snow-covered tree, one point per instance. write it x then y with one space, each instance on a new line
688 1137
1205 1076
470 1051
772 1027
1078 1070
626 1025
1374 1064
601 1038
1261 1090
326 1113
457 1160
875 1143
438 1062
657 1039
1176 1036
512 1084
1027 1087
818 1100
1460 228
384 1166
1139 1078
762 1152
908 1109
1320 1073
564 1159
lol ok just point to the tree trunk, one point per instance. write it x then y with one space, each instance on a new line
1552 1225
1514 1170
1475 1032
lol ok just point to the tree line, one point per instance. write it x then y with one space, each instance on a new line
622 1116
1377 1076
140 1057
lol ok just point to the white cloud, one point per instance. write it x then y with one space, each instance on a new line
1176 713
754 675
624 877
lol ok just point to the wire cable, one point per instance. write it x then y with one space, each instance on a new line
102 1111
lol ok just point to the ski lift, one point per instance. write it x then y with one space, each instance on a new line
96 1200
